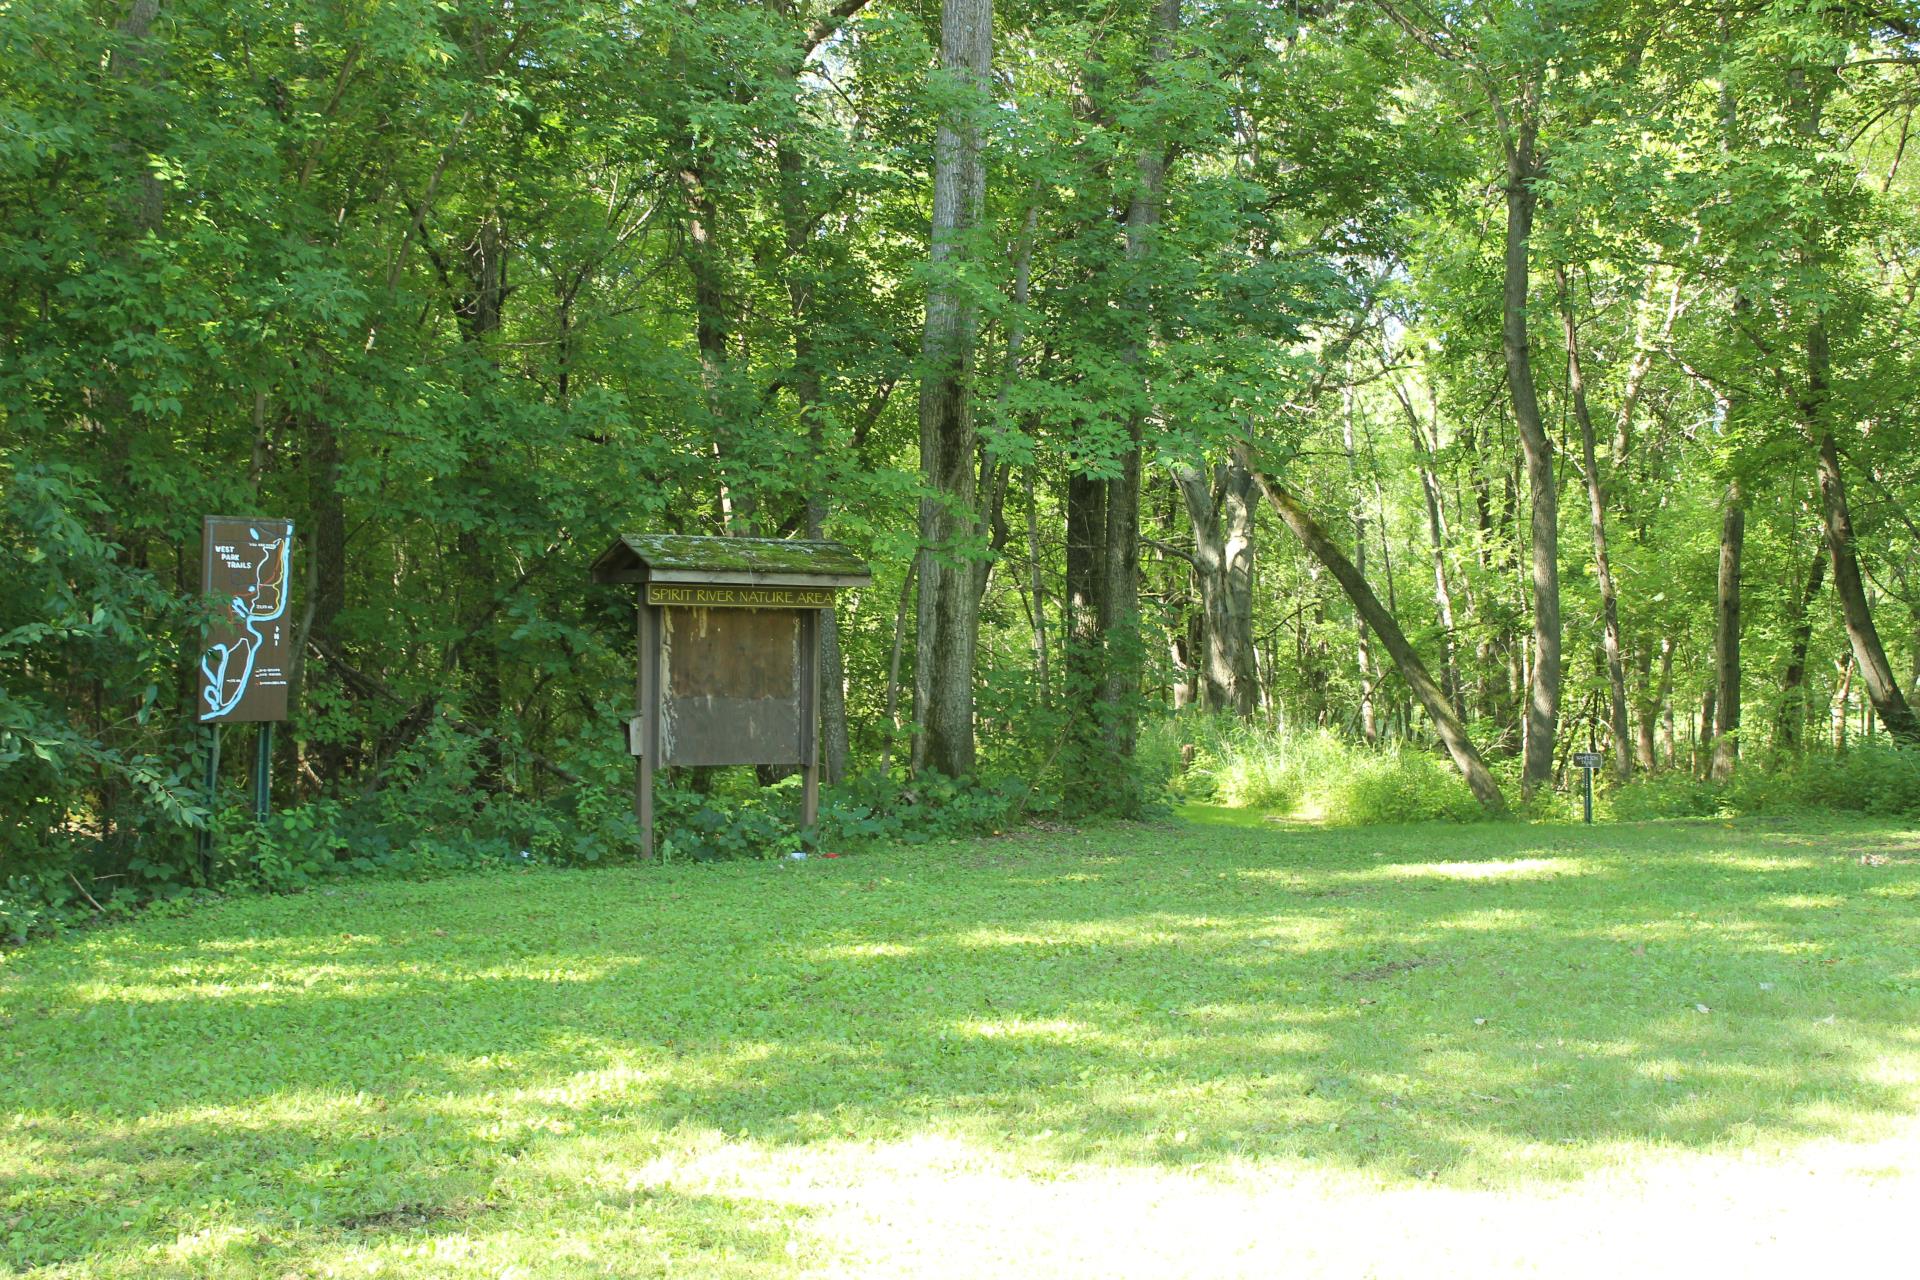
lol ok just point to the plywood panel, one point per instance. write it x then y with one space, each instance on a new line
733 653
732 686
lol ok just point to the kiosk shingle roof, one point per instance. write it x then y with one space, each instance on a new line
687 558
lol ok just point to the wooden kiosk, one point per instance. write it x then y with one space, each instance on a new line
729 653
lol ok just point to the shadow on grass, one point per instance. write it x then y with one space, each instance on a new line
1477 1004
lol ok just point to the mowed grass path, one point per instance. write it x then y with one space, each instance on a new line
1212 1047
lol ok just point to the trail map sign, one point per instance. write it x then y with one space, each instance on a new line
729 645
243 670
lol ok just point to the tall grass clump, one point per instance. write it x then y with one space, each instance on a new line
1397 783
1315 774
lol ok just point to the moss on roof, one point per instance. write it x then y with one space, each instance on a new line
743 555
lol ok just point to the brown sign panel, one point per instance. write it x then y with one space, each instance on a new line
243 671
727 596
732 686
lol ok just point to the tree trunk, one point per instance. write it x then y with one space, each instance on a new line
1084 760
949 616
1231 667
1196 645
1726 636
1183 651
1882 689
1423 452
1876 673
1907 593
1665 701
1791 717
893 664
1120 600
1432 697
1035 592
1221 509
1016 336
479 312
138 135
836 751
1086 550
796 224
1725 745
1703 737
1543 683
1643 748
1499 653
1362 650
148 198
1842 693
326 568
1602 567
1120 623
711 324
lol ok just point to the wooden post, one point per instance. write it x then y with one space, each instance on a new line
810 718
647 748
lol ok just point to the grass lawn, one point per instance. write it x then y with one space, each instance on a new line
1213 1047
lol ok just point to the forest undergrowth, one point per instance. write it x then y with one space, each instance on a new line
441 823
1321 775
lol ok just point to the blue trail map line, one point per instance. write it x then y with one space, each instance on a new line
224 689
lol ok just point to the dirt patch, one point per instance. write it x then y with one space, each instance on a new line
1896 854
403 1217
1387 970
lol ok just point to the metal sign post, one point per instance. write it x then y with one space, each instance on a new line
245 564
213 801
263 772
1588 761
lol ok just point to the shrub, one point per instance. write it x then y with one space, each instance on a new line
73 616
1876 779
31 904
1661 795
290 850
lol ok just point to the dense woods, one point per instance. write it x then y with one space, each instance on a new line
1485 378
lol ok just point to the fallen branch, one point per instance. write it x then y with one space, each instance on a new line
83 893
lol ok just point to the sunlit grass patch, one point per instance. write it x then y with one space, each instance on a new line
861 950
1059 1029
1500 869
1807 901
931 1063
1766 863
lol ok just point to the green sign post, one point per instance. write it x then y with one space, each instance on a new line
1588 761
245 564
